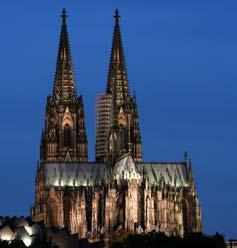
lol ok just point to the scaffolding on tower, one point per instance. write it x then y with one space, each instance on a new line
103 122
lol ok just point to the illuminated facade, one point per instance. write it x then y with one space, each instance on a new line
119 190
121 132
65 133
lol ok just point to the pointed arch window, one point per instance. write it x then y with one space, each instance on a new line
67 135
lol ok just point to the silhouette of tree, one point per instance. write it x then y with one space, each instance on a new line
154 240
13 244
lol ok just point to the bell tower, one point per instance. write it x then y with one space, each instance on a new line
64 138
118 130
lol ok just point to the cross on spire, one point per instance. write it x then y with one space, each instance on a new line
116 16
64 15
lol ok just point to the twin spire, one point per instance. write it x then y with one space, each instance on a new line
117 83
120 128
64 84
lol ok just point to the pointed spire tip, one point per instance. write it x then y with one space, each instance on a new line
64 15
185 156
116 16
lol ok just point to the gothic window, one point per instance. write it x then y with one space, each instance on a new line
67 135
186 216
67 209
53 213
122 140
112 141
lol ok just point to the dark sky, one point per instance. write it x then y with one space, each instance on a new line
181 61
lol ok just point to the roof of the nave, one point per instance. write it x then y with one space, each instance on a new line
92 174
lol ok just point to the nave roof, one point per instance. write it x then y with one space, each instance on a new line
95 174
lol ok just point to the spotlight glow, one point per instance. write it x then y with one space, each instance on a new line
27 241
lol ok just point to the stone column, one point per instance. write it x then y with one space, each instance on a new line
82 224
95 209
132 205
110 210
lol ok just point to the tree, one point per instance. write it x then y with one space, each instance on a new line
12 244
154 240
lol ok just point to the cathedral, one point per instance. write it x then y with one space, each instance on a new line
119 190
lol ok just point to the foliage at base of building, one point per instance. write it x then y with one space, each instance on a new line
154 239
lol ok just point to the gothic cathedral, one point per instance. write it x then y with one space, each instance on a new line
119 190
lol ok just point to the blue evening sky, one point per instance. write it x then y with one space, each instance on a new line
181 60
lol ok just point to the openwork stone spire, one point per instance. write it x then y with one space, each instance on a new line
117 84
64 84
118 130
64 138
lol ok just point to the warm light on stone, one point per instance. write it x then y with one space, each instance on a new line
118 190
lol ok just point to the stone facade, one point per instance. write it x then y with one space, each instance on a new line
64 137
119 190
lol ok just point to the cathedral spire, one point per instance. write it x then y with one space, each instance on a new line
117 84
118 131
64 138
64 84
